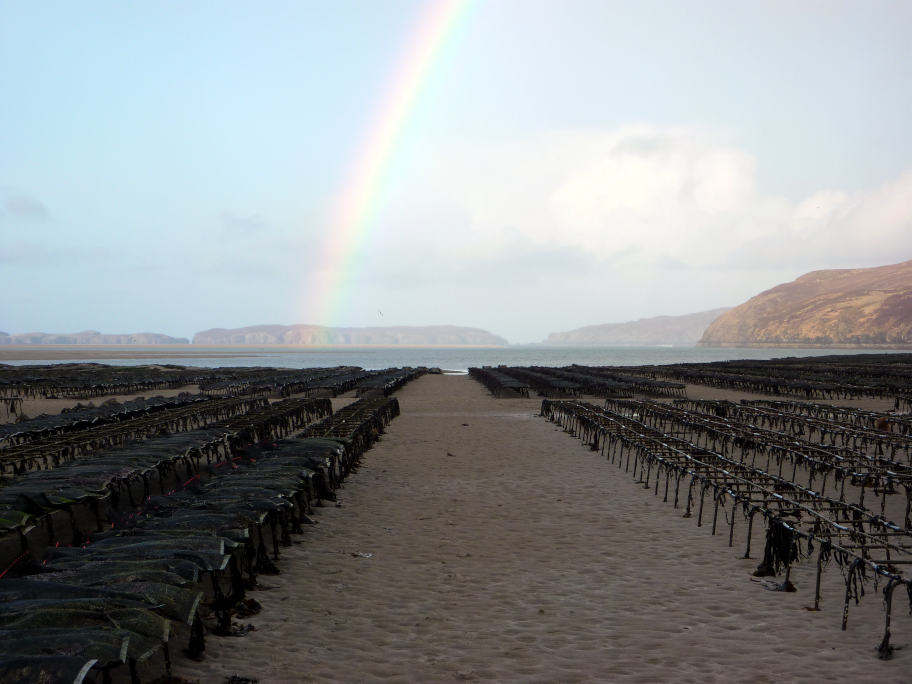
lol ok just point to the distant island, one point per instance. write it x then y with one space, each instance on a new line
441 335
89 337
860 308
661 330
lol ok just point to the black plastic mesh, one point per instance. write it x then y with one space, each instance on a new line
44 669
153 629
94 571
107 646
146 568
174 602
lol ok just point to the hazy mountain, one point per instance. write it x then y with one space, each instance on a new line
318 334
677 330
90 337
860 307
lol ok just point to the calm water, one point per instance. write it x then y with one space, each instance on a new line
455 358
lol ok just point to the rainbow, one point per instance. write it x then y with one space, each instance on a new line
362 197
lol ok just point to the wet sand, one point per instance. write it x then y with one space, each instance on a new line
503 551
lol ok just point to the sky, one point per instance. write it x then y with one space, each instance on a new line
172 167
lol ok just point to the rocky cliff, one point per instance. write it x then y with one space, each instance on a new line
444 335
675 330
91 337
847 308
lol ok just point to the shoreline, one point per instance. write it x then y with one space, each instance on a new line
377 357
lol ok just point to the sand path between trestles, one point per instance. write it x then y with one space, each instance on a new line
502 550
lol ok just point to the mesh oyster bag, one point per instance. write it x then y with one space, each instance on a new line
44 669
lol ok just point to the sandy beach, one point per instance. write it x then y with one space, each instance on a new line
501 550
422 341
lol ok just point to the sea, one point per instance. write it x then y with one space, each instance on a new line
458 359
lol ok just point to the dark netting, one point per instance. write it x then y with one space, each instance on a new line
55 449
95 574
106 476
250 489
44 669
210 549
97 570
147 565
269 380
139 646
26 589
231 538
141 545
203 520
84 380
174 602
163 534
87 417
11 609
496 381
339 384
11 520
201 559
252 506
391 380
144 623
108 646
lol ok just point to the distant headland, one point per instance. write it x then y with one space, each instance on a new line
442 335
90 337
660 330
858 308
429 335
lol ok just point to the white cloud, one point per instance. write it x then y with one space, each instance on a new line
649 197
836 229
584 227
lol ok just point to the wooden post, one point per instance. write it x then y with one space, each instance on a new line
819 572
715 514
884 651
702 496
848 595
750 528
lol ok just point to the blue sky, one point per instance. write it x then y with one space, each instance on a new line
172 167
